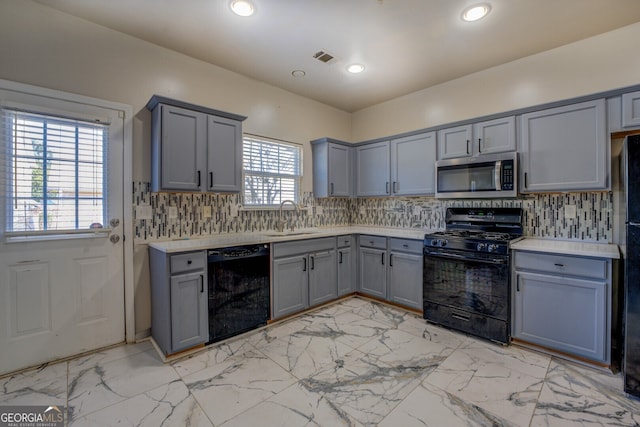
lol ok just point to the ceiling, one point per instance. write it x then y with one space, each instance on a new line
405 45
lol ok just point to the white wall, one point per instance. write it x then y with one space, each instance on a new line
601 63
43 47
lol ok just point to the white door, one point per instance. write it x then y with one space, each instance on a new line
61 275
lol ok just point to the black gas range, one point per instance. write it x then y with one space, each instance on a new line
466 276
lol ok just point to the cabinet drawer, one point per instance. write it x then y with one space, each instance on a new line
562 264
187 262
377 242
303 246
406 245
345 241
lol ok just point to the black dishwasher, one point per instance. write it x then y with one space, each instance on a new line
238 279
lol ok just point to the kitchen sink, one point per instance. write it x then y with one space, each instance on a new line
289 233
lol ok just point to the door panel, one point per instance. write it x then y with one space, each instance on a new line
28 305
62 295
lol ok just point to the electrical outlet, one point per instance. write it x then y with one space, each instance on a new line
206 212
144 212
233 211
172 212
570 211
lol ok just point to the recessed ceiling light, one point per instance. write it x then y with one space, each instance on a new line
242 7
298 74
476 12
355 68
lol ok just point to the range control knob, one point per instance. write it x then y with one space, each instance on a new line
481 247
434 242
492 248
443 242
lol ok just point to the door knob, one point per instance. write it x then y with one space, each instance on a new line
114 238
114 222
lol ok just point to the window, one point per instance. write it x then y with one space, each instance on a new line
56 173
272 172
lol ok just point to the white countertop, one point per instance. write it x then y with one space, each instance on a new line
564 247
234 239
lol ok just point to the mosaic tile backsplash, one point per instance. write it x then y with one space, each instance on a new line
544 214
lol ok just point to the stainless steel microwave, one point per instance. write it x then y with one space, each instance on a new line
478 177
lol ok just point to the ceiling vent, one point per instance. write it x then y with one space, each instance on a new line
324 56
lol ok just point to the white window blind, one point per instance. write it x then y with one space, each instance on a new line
55 171
272 172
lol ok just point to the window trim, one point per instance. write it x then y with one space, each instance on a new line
298 178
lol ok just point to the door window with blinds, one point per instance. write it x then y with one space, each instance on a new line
272 172
56 173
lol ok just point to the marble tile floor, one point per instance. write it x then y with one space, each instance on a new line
353 363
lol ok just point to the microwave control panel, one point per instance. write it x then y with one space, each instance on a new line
506 181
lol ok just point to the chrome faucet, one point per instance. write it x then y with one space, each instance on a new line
280 224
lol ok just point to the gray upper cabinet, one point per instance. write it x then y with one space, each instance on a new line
373 169
194 148
178 141
224 154
488 137
455 142
413 164
631 110
495 136
332 168
565 148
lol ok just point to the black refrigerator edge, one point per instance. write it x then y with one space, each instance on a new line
631 177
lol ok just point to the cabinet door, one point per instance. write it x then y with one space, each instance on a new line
183 149
373 272
346 271
413 164
495 136
565 148
323 284
224 154
455 142
631 109
189 311
561 313
339 168
405 279
290 285
373 169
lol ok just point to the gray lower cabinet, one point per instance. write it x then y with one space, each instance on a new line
304 275
322 277
565 148
563 303
290 285
346 262
391 269
405 272
373 272
179 300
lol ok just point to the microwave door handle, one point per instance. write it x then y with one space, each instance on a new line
498 175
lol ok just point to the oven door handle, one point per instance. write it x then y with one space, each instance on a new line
469 257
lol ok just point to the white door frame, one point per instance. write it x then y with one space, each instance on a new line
127 190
